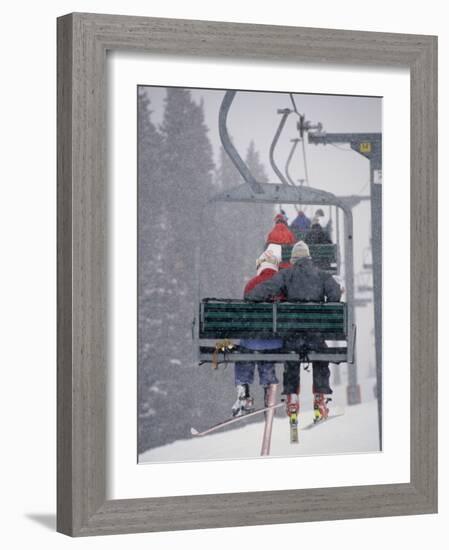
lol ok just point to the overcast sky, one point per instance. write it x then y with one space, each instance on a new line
253 116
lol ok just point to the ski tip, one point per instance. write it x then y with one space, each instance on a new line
193 431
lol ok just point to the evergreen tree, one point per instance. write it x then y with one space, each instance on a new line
227 174
149 152
153 235
241 229
254 164
187 157
185 165
224 274
188 164
175 182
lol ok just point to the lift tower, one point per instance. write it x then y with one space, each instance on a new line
368 145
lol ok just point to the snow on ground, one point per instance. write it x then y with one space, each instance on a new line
354 432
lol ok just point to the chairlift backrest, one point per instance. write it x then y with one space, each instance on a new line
240 319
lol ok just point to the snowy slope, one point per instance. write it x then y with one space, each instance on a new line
355 431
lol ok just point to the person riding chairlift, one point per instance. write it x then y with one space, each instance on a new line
316 234
281 234
267 265
300 225
303 282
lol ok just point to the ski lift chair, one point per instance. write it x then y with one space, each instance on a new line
219 324
367 258
300 235
324 256
224 321
364 281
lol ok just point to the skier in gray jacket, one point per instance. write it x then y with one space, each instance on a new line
302 282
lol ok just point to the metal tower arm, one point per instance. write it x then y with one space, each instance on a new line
285 113
228 145
289 159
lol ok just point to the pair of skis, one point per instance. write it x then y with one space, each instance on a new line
315 423
294 432
267 409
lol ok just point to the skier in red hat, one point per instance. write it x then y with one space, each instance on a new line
281 234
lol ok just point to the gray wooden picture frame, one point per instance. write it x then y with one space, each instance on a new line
83 40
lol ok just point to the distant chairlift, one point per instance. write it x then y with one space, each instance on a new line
367 258
364 281
324 256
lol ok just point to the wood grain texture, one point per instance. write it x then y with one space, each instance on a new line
424 277
64 278
83 40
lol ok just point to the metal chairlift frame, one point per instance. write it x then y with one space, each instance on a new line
303 126
252 191
288 180
289 160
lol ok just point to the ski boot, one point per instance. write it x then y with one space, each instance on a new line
320 409
244 403
292 404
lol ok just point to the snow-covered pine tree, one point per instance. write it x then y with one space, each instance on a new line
188 164
175 181
185 181
225 272
153 240
241 229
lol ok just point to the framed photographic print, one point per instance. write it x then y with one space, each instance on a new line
246 274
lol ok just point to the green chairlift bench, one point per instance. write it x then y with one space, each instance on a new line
300 235
232 320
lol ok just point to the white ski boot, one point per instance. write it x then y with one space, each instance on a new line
244 403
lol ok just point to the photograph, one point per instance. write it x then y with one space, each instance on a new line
259 274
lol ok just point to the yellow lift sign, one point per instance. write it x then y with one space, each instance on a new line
365 147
